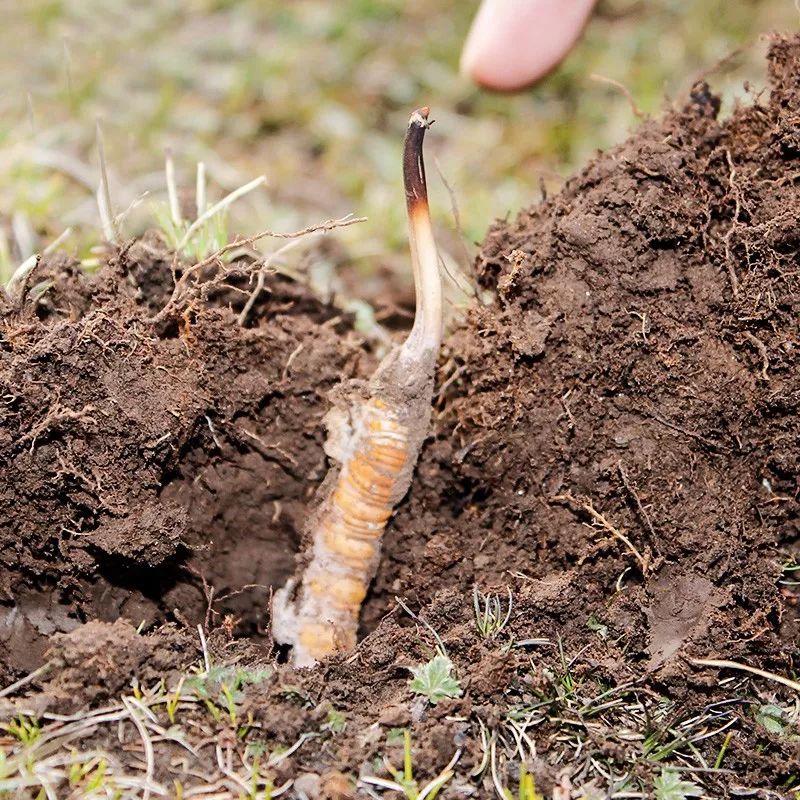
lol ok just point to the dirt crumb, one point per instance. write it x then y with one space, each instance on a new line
95 663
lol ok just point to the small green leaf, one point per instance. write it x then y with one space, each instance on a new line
771 718
670 786
336 721
395 736
435 680
594 624
257 749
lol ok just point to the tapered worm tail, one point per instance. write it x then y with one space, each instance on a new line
377 440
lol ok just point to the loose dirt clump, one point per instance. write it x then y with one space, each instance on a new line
614 463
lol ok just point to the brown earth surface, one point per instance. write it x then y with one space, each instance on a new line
616 442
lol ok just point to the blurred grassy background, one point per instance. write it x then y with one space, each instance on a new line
315 95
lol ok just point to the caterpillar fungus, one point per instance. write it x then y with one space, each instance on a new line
376 436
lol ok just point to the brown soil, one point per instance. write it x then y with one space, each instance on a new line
140 461
617 440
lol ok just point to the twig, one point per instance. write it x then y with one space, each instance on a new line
123 215
213 432
567 410
55 414
208 593
204 646
720 663
454 376
762 351
255 437
601 520
631 489
260 280
26 680
691 434
289 361
267 266
438 639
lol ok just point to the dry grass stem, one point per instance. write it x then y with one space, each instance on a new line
721 663
219 207
104 206
172 189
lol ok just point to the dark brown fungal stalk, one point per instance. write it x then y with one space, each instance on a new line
376 437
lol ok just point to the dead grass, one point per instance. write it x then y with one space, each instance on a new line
194 738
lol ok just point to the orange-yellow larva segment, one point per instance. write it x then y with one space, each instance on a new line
369 478
348 593
349 526
355 551
354 488
359 529
387 456
354 505
385 426
318 639
371 492
381 405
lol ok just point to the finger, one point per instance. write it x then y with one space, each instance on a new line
513 43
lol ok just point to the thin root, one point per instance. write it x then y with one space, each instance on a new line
602 521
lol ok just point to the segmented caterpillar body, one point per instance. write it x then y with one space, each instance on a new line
377 448
347 536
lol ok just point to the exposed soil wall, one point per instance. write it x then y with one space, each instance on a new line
139 461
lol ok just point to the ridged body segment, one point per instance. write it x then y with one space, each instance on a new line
347 534
377 443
